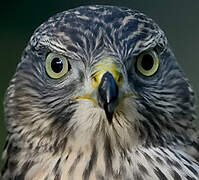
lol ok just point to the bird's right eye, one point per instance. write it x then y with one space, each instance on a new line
56 65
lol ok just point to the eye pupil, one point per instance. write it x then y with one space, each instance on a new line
57 65
147 62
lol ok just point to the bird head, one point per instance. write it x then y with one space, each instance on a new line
102 73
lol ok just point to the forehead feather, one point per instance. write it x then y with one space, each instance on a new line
86 27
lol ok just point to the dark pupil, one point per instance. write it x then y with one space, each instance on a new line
57 65
147 62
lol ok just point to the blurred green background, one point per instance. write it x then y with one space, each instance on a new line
18 19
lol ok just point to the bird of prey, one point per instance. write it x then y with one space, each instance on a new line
98 95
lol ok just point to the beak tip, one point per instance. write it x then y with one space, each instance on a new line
110 118
109 111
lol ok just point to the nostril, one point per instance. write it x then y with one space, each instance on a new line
94 81
120 78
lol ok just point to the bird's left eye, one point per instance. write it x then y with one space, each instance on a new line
147 63
56 65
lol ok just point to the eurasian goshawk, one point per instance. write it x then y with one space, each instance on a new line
99 95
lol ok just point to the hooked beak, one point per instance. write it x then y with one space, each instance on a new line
106 84
107 80
108 94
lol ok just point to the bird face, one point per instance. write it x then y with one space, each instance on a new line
98 73
106 87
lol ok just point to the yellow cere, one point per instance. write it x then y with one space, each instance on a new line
104 65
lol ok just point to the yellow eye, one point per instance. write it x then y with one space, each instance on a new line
147 63
56 65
